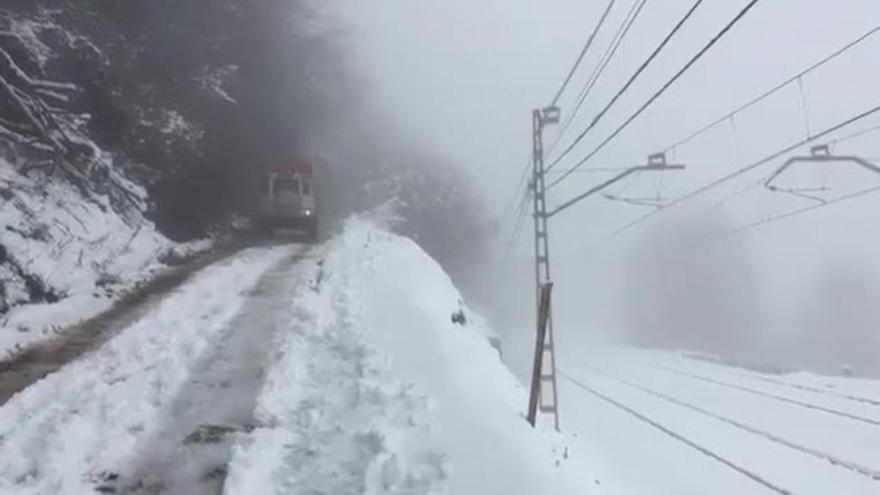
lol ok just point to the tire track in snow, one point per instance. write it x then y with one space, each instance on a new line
843 463
190 453
703 450
781 398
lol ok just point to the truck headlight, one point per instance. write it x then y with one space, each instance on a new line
308 213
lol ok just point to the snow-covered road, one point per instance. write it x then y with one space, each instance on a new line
192 447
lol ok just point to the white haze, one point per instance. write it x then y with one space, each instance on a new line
461 78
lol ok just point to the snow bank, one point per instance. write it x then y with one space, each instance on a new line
381 387
68 432
64 255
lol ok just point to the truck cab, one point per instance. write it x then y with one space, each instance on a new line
288 200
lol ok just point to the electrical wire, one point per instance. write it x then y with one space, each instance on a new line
522 184
796 212
522 213
662 90
631 80
519 203
616 42
591 170
852 44
854 135
584 51
721 180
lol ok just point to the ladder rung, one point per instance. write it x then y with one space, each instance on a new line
548 377
542 259
548 409
548 348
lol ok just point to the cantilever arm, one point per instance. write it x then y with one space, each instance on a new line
609 182
819 159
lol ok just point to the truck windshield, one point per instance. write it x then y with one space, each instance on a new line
286 185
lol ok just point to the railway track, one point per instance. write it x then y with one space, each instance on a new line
745 373
837 461
807 388
678 436
868 473
769 395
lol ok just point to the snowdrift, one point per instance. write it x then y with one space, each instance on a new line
387 369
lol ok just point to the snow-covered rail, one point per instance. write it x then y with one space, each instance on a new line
856 467
808 388
835 388
770 395
678 436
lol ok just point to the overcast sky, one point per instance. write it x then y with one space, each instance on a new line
460 77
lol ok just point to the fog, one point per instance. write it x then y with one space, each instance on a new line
460 78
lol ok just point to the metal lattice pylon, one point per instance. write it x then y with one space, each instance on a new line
544 369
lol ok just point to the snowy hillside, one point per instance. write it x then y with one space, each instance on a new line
73 230
63 255
344 368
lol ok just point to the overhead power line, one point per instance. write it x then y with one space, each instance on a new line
584 51
662 90
852 44
616 42
522 185
630 82
591 170
622 175
854 135
798 211
773 156
788 149
519 203
522 212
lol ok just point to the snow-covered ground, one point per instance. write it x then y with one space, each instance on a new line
658 422
355 367
330 369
